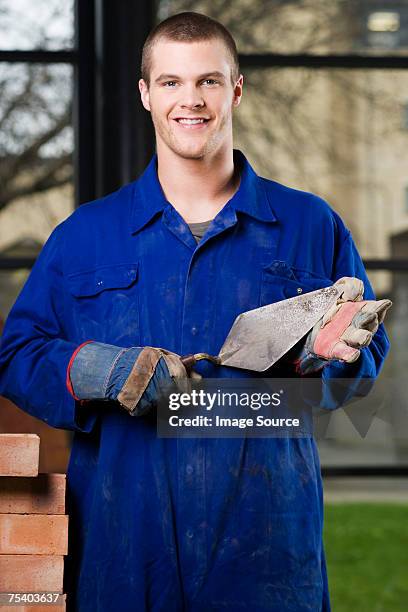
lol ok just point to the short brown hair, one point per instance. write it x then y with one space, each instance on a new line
189 27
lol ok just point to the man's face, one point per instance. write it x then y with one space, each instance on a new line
191 81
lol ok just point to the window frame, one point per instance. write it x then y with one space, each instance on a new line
92 62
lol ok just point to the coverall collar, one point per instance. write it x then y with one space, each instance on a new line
250 198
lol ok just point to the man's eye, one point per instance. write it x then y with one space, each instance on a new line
210 81
169 83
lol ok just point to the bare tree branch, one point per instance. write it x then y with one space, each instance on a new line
50 178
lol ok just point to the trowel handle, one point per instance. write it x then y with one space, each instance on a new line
189 361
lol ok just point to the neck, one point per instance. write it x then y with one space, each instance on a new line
197 188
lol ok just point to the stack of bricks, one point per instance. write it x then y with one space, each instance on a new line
33 529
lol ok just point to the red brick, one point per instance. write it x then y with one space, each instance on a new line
33 534
31 573
19 454
58 607
55 443
42 495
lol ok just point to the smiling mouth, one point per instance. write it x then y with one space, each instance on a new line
192 121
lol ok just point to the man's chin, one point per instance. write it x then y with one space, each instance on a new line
191 152
191 148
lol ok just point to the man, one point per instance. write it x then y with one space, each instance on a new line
159 269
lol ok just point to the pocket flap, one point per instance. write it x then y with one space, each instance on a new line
92 282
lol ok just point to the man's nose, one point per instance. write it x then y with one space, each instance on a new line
192 98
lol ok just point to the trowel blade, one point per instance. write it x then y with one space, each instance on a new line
259 337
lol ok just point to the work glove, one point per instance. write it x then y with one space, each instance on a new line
343 331
134 377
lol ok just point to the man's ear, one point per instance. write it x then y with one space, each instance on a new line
238 90
144 94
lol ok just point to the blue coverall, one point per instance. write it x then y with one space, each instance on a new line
162 524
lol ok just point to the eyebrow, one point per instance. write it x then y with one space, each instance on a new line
206 75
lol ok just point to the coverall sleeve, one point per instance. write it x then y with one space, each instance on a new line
34 349
372 357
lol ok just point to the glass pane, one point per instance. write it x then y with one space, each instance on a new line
43 24
11 283
386 440
307 26
394 285
36 142
341 134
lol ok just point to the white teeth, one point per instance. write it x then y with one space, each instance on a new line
190 121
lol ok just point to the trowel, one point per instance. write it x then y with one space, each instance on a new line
258 338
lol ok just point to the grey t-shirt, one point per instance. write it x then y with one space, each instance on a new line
198 229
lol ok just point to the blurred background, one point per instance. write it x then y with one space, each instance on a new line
325 109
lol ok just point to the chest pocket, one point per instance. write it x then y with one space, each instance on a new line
281 281
105 303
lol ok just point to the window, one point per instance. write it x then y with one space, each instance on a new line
383 29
